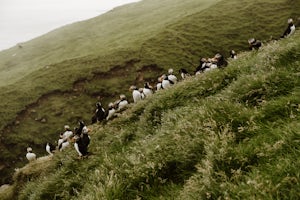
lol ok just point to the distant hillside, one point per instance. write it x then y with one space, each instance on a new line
230 133
57 78
123 28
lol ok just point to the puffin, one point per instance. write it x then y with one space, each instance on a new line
122 103
30 156
50 148
111 111
78 130
183 73
166 83
220 60
136 95
290 30
159 84
81 144
147 90
233 54
141 90
65 136
171 76
64 145
99 113
254 44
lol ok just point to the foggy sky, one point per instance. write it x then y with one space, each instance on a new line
22 20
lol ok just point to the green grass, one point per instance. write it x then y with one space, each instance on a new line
107 54
197 140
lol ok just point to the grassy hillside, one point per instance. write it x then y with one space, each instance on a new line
231 133
124 28
57 78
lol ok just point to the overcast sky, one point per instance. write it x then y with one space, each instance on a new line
22 20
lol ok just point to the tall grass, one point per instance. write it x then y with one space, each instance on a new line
100 58
197 140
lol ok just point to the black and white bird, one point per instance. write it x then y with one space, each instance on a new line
184 73
141 90
211 64
122 103
81 144
111 111
64 145
171 76
290 30
78 130
220 60
233 54
136 95
65 135
159 84
147 90
254 44
99 113
50 148
30 155
166 83
200 69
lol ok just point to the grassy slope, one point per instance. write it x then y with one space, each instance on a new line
98 52
230 133
125 27
177 40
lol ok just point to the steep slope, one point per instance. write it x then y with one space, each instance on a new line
230 133
68 70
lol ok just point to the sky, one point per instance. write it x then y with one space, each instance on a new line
23 20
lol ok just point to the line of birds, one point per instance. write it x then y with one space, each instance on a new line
165 81
80 136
